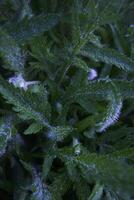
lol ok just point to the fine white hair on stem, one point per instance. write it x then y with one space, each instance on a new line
112 118
114 109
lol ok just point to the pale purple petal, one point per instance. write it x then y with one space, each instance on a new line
92 74
19 81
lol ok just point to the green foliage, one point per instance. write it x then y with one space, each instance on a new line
5 134
114 109
21 32
39 189
11 52
97 192
25 104
33 128
108 56
66 96
102 166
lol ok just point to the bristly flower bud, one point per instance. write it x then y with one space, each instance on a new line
19 81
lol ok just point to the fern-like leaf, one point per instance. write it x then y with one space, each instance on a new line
81 64
108 170
109 56
33 128
97 192
100 89
114 91
27 29
11 52
59 186
113 111
5 134
39 189
24 103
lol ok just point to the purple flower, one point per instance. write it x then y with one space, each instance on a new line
19 81
92 74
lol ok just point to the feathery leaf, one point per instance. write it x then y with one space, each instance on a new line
29 28
108 56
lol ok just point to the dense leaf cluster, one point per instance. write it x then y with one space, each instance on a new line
66 96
